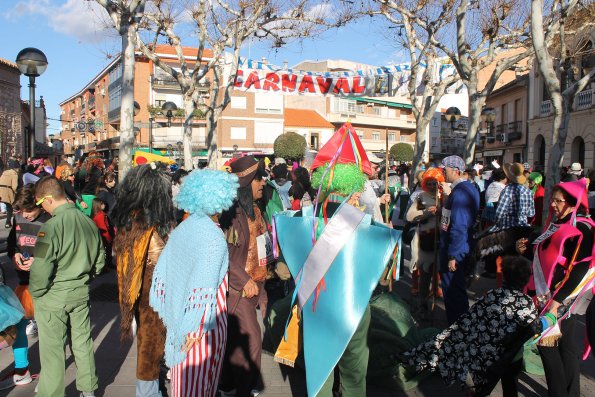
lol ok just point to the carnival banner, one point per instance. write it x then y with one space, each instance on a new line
392 80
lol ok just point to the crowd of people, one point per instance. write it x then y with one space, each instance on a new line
198 254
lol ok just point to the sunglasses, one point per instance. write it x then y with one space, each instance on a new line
41 200
558 201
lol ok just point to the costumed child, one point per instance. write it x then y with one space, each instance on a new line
94 167
20 244
144 217
11 313
105 228
189 288
336 254
484 341
562 273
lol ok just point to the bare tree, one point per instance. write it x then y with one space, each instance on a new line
483 31
567 20
126 16
220 29
427 85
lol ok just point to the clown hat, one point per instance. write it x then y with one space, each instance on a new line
346 146
431 174
578 190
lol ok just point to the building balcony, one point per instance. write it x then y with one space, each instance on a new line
545 109
116 83
515 126
584 100
166 82
113 115
500 129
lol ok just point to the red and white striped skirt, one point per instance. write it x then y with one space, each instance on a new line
198 375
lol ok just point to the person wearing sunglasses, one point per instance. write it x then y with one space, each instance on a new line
562 259
68 254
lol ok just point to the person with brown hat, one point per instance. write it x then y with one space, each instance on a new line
246 234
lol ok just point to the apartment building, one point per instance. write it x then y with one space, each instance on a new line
91 117
580 141
11 115
505 139
372 118
253 120
249 124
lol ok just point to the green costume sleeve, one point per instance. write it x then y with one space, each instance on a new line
100 262
44 264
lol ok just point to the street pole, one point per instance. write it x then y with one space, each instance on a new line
31 142
150 135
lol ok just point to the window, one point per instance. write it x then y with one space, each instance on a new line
238 102
115 73
314 141
159 103
115 98
238 133
347 106
392 137
267 131
516 157
268 103
403 138
375 135
360 134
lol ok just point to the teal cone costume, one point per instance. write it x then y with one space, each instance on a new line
336 260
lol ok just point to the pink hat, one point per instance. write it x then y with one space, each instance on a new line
578 190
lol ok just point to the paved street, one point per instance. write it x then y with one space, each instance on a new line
116 361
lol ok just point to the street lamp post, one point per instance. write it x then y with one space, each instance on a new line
32 63
151 134
488 115
169 108
453 114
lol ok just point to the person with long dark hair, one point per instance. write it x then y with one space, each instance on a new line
243 225
105 191
144 216
301 189
106 230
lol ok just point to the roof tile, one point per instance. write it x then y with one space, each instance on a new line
305 118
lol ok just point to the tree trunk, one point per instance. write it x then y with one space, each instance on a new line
475 105
127 104
212 140
187 138
562 107
422 146
545 64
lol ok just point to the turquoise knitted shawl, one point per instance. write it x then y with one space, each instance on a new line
185 282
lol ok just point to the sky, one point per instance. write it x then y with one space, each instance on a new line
78 46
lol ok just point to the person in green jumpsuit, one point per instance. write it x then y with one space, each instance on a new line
68 254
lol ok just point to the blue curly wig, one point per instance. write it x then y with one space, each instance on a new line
207 192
